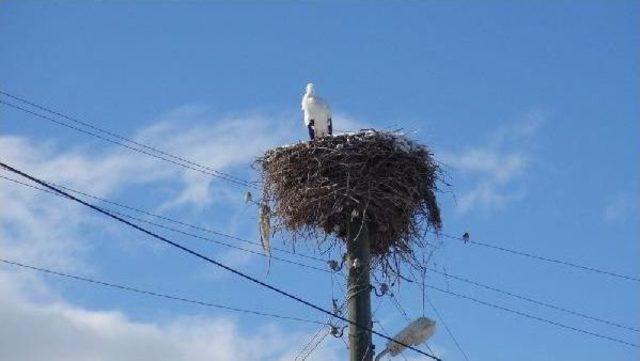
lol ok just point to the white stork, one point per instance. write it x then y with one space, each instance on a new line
317 114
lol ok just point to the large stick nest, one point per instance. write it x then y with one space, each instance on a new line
328 185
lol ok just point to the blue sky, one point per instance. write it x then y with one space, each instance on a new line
533 106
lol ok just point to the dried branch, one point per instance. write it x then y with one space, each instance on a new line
319 188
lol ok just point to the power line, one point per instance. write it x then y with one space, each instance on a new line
385 330
399 307
183 232
543 258
402 311
141 211
533 317
531 300
186 163
118 136
313 343
446 327
160 154
308 344
222 243
395 302
153 293
212 261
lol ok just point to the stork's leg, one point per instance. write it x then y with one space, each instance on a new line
330 126
312 134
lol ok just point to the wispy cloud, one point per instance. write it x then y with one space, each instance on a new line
44 230
491 172
57 330
619 208
37 227
216 142
41 229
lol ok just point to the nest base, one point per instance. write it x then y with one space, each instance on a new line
328 185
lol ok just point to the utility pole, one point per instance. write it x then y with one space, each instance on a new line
359 292
326 185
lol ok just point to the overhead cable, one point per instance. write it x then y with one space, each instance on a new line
139 148
141 211
212 261
531 300
153 293
544 258
533 317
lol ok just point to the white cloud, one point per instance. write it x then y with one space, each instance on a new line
222 144
40 229
495 168
43 230
56 330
